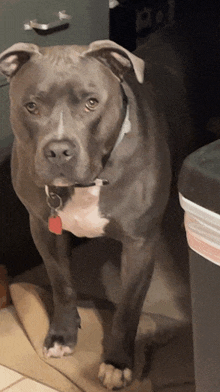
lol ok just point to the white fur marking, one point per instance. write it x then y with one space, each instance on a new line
81 215
60 127
112 377
57 351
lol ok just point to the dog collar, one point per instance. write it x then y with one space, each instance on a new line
97 182
126 128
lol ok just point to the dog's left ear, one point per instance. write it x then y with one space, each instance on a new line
118 59
12 59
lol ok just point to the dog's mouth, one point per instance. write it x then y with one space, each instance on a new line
62 182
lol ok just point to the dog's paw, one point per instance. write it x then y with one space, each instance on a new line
62 336
60 342
57 351
113 378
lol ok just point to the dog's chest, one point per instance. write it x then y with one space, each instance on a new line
81 215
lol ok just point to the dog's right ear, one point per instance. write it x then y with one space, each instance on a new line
117 58
12 59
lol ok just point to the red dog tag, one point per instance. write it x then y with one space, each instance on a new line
55 225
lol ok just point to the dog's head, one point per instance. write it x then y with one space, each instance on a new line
67 106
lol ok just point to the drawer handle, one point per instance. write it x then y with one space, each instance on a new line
33 24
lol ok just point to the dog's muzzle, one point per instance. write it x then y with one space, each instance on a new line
60 152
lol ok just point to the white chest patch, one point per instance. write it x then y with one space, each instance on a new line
81 215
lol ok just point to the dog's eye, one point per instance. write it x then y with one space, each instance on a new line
32 107
91 104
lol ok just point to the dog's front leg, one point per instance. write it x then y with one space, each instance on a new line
56 252
137 269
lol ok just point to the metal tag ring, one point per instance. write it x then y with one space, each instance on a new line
53 197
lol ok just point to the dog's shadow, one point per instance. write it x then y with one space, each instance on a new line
168 364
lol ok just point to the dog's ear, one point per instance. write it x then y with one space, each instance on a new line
12 59
118 59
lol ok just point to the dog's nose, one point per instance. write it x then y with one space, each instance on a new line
59 152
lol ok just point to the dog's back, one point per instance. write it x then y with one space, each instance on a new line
172 73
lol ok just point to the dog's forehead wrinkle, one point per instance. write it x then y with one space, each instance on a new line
66 54
78 75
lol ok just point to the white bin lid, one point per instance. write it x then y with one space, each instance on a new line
199 188
202 230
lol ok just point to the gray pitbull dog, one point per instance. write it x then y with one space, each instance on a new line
100 135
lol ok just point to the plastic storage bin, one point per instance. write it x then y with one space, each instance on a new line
199 192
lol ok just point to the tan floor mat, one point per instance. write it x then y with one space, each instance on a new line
22 338
24 326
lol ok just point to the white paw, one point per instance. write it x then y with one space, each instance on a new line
113 378
57 351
